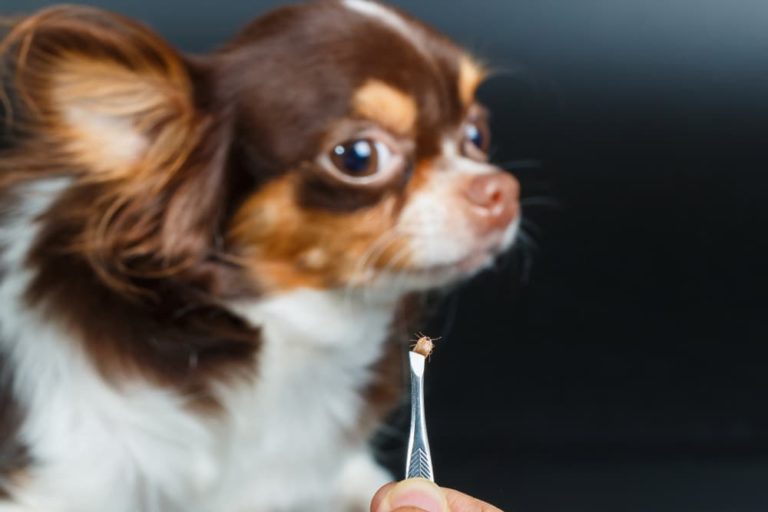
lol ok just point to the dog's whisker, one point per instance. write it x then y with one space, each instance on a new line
513 165
543 201
368 261
525 251
529 231
365 262
401 278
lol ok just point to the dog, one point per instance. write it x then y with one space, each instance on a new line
203 258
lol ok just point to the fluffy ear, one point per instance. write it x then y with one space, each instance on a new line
108 87
119 105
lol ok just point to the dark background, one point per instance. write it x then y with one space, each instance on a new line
620 366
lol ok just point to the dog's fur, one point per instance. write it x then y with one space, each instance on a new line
195 295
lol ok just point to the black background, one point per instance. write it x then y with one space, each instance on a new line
620 366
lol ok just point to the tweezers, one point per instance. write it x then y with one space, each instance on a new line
419 459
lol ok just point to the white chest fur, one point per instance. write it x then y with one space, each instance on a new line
318 351
280 445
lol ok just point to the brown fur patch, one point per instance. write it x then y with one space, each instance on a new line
391 108
180 338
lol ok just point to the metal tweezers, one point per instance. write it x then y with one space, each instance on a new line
419 459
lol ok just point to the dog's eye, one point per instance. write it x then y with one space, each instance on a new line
361 157
477 139
369 157
474 135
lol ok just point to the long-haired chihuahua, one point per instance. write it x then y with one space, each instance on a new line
202 257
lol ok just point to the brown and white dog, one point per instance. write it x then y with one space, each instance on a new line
201 257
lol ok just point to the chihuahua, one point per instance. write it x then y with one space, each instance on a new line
202 258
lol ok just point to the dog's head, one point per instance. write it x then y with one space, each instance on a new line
332 144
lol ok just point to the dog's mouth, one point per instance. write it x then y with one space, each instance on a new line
479 258
455 227
473 262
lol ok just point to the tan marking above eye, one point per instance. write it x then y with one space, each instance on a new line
386 105
471 75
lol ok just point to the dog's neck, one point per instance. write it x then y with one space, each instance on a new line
321 318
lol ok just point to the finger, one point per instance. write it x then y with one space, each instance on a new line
379 496
460 502
414 494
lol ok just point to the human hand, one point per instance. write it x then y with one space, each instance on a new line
420 495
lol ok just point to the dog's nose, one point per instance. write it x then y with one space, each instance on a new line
493 199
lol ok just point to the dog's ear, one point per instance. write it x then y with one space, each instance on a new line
119 103
109 87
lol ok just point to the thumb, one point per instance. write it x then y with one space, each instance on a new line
412 495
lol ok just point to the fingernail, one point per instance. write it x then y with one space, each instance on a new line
415 492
